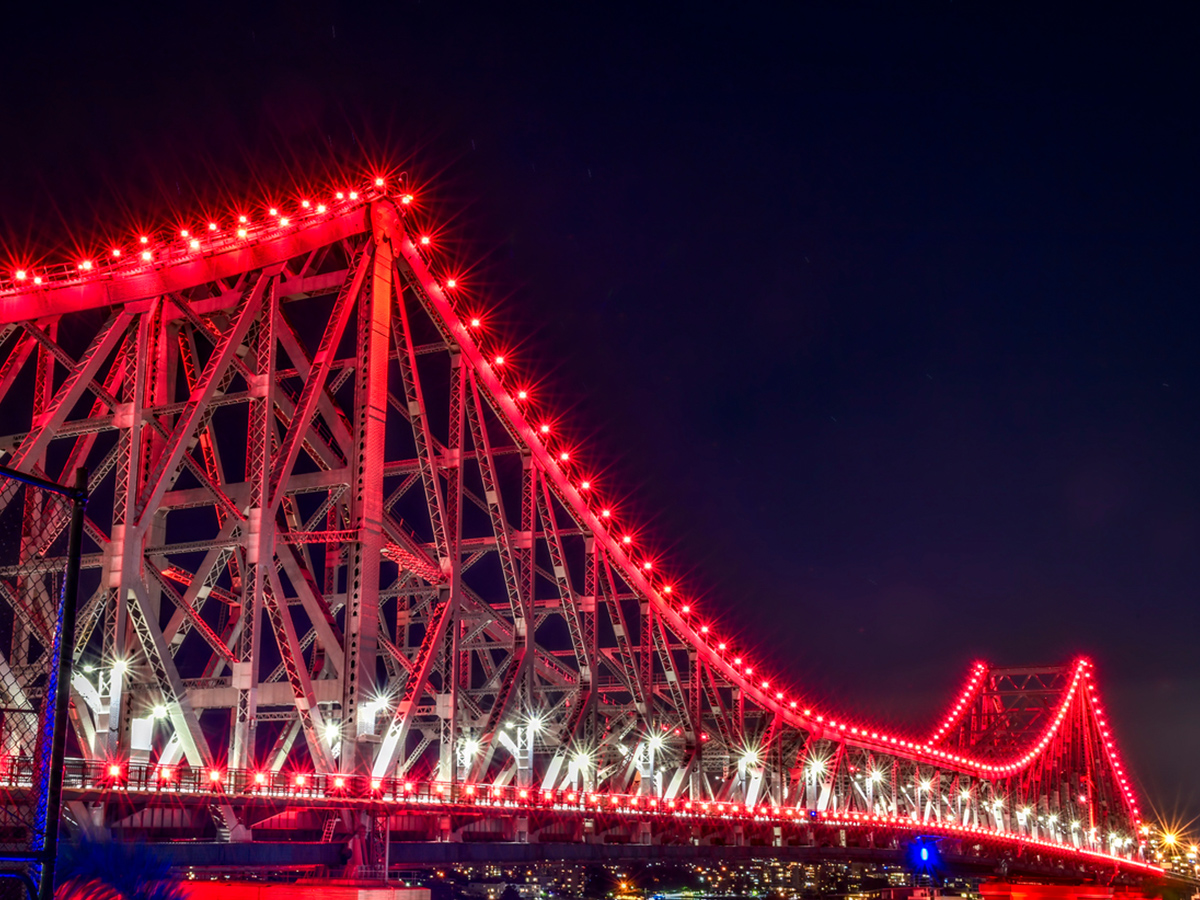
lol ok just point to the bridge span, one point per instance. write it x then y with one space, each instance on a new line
346 574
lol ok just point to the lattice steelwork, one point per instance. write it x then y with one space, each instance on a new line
326 537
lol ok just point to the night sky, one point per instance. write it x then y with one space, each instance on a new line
882 321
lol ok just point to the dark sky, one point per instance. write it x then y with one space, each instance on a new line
882 320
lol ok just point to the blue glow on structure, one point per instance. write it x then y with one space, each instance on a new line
924 854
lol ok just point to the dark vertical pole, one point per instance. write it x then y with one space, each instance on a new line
62 684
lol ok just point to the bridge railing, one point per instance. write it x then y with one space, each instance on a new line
332 790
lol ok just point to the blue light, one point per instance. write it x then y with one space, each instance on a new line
924 854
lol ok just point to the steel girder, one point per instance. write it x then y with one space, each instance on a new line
257 423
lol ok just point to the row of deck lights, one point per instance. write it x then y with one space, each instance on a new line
628 804
701 633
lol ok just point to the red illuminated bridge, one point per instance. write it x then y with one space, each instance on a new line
344 579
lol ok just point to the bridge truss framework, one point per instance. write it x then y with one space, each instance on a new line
331 538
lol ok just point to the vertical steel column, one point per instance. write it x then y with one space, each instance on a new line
646 664
260 533
587 613
448 749
523 630
366 505
125 547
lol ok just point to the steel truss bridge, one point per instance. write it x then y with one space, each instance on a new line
342 579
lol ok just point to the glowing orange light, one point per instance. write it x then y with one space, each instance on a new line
424 239
545 429
194 244
667 589
260 778
521 395
499 360
406 199
320 207
116 253
628 539
300 780
242 232
354 195
451 283
375 784
114 770
305 204
564 456
37 279
143 239
164 774
647 565
20 274
339 782
86 265
605 513
378 182
183 233
584 485
704 629
273 211
214 775
475 323
721 646
147 256
284 221
212 226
